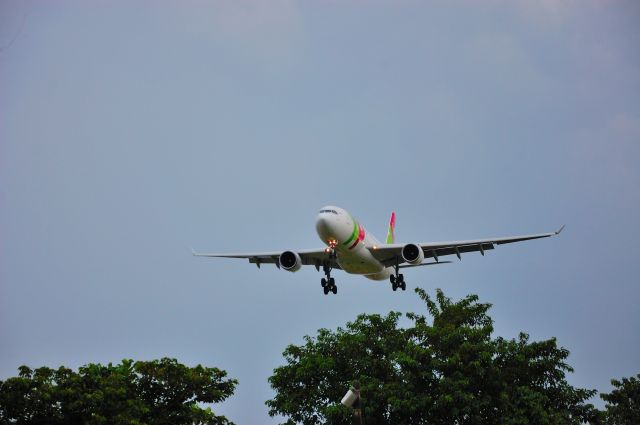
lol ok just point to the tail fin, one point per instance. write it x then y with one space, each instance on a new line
391 233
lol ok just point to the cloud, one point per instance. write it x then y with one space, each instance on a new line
603 161
625 127
547 12
504 59
266 30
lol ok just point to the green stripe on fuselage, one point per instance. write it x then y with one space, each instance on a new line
354 234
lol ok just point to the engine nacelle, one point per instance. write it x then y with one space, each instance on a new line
290 261
412 253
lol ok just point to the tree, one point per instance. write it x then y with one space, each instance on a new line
623 403
145 392
446 370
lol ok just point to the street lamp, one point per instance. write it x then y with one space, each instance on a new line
352 399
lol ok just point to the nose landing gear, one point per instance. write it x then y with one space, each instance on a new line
328 284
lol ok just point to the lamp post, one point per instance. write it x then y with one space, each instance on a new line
352 399
358 408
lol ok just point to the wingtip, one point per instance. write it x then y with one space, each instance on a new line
560 229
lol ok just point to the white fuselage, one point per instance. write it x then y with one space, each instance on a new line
339 230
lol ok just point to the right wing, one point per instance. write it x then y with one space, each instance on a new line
389 254
308 257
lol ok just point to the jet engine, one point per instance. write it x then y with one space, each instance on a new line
412 253
290 261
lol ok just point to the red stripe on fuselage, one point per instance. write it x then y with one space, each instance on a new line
361 235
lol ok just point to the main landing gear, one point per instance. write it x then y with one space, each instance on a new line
328 284
397 280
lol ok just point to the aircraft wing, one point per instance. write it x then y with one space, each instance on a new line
390 254
313 257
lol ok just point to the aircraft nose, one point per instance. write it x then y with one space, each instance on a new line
323 226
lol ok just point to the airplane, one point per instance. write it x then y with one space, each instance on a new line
351 248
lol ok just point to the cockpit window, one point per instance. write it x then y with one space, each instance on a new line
328 211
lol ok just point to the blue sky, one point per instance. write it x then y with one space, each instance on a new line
132 131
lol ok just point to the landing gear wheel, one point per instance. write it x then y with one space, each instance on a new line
397 280
328 283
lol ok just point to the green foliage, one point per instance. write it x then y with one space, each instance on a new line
623 403
154 392
442 370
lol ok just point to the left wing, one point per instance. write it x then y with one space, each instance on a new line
389 255
312 257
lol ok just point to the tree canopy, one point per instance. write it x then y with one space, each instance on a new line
143 392
446 368
623 403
